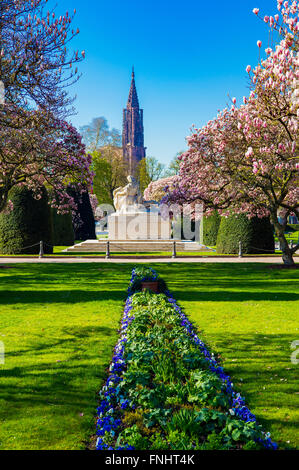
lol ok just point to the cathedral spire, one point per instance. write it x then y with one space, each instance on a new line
133 97
133 138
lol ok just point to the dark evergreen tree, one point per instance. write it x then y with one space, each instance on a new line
27 224
83 218
62 226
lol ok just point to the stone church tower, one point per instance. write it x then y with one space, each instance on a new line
133 132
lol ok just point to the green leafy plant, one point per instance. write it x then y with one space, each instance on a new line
176 400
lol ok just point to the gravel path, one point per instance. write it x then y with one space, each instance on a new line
77 259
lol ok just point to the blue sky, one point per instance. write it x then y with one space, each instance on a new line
188 56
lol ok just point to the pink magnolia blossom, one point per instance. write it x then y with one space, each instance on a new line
249 152
157 189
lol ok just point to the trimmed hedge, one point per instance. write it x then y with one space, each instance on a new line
255 234
62 226
210 229
28 224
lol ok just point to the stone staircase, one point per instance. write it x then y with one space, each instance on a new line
135 246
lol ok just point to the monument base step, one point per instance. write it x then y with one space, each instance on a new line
135 246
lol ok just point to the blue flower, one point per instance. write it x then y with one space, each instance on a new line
124 404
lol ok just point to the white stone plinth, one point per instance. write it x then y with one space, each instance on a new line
138 226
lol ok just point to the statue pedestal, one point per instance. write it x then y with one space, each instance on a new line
138 226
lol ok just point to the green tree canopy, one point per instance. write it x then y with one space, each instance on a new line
173 168
110 172
149 169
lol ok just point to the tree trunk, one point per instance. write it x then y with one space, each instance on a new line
287 253
3 199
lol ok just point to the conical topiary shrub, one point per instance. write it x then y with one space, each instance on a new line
27 224
255 234
83 219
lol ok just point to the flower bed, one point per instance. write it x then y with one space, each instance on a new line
165 390
141 275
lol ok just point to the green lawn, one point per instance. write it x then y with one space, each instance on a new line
59 326
250 315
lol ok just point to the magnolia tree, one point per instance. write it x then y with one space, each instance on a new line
246 160
37 146
36 65
43 153
156 190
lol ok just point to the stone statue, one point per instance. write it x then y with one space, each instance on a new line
128 199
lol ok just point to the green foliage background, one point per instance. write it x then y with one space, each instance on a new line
110 173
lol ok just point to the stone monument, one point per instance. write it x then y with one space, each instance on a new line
133 220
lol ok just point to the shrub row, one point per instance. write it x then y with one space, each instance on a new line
210 229
165 390
256 235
